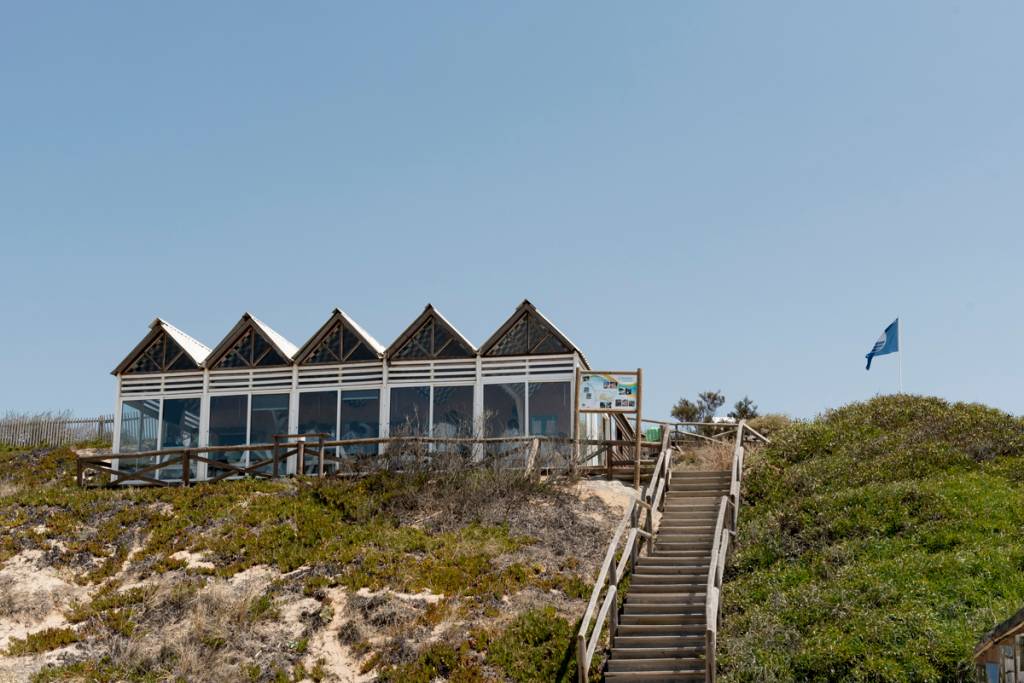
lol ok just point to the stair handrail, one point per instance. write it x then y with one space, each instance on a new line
611 574
725 529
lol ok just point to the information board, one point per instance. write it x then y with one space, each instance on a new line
601 392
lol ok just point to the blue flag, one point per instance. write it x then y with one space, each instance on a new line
889 342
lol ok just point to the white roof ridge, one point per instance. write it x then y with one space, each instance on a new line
377 346
554 327
454 329
289 349
196 349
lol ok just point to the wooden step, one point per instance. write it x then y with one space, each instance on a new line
678 605
698 585
650 579
656 652
693 640
690 543
651 568
692 628
694 614
663 596
654 676
667 664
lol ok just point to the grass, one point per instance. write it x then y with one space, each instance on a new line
877 543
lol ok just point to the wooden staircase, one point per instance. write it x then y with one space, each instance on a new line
661 630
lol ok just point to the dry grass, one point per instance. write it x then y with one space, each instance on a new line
705 456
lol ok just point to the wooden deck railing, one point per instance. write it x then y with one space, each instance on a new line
639 520
717 432
290 454
725 530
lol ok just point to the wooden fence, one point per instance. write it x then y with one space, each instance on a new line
314 454
55 431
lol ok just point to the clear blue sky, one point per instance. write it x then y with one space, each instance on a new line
737 196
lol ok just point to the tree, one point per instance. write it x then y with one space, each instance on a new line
744 409
703 410
686 410
709 402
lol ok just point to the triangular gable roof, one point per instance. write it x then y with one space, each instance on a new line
527 309
338 317
193 349
396 351
1008 627
277 342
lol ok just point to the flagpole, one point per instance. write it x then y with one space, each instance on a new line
899 331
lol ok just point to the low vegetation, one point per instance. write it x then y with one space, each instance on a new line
477 577
877 543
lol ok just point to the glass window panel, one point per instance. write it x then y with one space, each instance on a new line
361 352
514 342
269 417
228 420
551 415
441 337
410 411
183 362
453 411
455 349
418 345
139 427
504 409
550 409
318 413
327 350
263 354
179 429
145 362
240 355
360 418
551 345
271 358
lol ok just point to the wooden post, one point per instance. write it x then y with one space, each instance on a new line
274 453
613 623
185 467
634 521
576 418
709 656
320 458
639 435
301 447
531 458
99 429
582 670
649 524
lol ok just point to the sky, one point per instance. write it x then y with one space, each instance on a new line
736 196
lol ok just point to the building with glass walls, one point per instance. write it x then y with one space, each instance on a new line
175 392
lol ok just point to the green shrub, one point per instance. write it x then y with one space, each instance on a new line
41 641
537 646
876 543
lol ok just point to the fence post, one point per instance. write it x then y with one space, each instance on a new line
99 429
186 466
301 447
320 457
274 455
582 670
634 521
